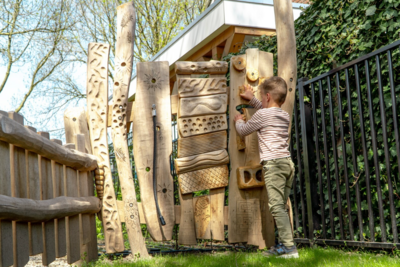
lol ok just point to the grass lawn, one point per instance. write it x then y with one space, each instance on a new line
308 258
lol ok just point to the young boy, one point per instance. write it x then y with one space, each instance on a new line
272 125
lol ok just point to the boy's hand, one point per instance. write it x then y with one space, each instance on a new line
248 92
238 117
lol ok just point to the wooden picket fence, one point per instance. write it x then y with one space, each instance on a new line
47 202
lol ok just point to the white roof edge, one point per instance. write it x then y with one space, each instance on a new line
215 28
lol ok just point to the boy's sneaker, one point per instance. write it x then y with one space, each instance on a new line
282 251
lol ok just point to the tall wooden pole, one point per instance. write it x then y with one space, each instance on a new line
287 59
126 20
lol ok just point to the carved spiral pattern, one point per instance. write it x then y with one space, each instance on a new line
100 180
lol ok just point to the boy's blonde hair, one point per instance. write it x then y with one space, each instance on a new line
277 87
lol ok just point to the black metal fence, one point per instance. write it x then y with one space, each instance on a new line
346 145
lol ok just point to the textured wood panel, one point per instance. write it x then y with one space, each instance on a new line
202 124
189 87
217 197
208 67
209 178
147 94
202 105
201 144
202 216
187 230
202 161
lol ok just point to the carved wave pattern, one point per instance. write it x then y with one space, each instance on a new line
201 161
196 87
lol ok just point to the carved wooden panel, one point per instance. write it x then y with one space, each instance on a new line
202 161
153 88
203 105
202 216
202 124
188 87
200 144
250 177
248 218
97 101
210 178
126 21
208 67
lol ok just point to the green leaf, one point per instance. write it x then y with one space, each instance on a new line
370 11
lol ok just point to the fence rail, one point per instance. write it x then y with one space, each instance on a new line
349 130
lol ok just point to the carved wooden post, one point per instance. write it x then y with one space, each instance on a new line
126 19
97 103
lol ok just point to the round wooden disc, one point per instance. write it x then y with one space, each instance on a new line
239 63
252 75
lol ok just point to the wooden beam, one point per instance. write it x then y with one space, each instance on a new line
253 31
217 52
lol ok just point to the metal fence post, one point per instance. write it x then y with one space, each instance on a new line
306 158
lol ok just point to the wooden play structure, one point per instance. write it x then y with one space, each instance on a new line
47 198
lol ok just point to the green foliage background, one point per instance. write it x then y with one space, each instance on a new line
331 33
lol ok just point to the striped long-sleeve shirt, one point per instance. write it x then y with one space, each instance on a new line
272 125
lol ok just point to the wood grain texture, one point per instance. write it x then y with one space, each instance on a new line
15 133
187 229
75 118
202 124
208 67
126 20
97 102
6 233
202 216
201 144
201 161
209 178
147 94
217 197
189 87
203 105
287 59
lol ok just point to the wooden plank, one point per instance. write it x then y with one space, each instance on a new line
75 122
202 124
126 19
6 232
147 94
129 113
201 144
226 215
287 59
203 105
35 229
190 87
202 216
72 222
177 214
18 189
97 99
202 161
209 178
208 67
121 210
85 232
58 190
187 230
14 133
217 197
46 185
217 52
254 31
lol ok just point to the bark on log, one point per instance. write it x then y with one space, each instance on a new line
14 133
208 67
29 210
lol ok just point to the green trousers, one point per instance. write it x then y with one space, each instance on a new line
278 176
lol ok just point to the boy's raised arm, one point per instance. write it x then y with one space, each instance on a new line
249 95
252 125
